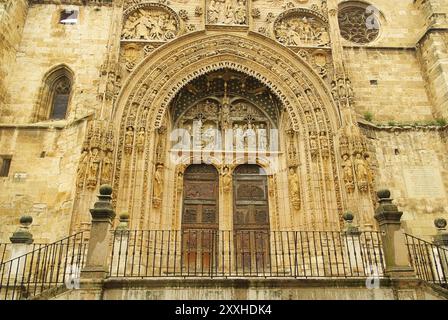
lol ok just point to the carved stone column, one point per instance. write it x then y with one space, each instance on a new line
396 256
98 249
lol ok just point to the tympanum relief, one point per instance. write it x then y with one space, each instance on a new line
227 12
300 28
150 23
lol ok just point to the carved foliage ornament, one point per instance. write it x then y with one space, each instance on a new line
150 22
301 27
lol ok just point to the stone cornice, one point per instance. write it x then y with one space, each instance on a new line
371 126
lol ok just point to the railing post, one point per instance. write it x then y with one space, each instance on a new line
396 256
441 240
120 246
22 243
352 239
98 249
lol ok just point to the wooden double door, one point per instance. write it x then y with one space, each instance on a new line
203 244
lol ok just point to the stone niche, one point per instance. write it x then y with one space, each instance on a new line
300 27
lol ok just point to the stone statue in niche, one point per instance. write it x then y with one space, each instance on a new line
362 173
129 140
155 24
262 137
141 139
94 168
106 174
347 167
82 168
230 12
297 29
294 188
226 179
158 186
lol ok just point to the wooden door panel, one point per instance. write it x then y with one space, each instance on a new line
200 218
251 220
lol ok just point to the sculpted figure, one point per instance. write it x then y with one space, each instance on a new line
239 138
141 27
106 176
94 168
262 137
240 12
129 139
228 12
226 179
82 168
342 89
294 187
213 12
362 172
141 139
158 182
348 173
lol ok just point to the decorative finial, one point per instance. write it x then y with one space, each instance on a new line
23 235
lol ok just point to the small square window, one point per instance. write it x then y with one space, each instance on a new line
374 82
5 165
68 17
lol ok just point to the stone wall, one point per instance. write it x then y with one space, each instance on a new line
412 162
41 179
13 14
239 289
46 44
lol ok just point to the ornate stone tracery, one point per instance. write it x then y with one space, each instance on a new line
358 23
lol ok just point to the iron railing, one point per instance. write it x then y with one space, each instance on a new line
44 268
249 253
430 261
6 250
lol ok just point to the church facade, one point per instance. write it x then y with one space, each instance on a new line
218 115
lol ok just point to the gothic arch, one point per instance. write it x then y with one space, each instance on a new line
145 99
159 77
45 97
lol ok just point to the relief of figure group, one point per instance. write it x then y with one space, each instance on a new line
298 31
150 25
227 12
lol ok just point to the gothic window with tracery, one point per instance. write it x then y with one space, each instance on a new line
359 22
54 95
61 97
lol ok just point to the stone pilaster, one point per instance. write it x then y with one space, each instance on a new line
98 250
396 256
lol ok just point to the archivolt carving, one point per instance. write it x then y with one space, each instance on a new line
167 75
